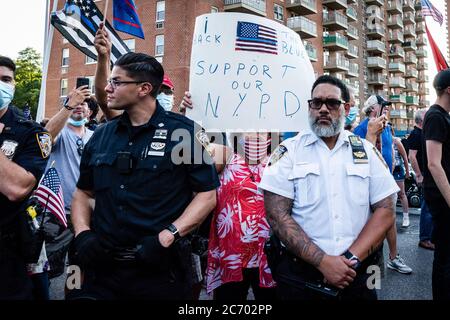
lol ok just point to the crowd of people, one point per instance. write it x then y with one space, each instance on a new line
157 207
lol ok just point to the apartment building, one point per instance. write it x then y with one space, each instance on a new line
374 46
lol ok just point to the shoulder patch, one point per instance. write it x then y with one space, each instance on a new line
380 156
44 140
277 154
203 138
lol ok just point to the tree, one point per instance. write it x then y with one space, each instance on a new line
28 79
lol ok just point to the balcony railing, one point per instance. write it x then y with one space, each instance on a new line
396 36
335 4
421 53
352 14
397 67
307 28
410 32
408 5
335 20
353 70
255 6
352 32
302 7
409 45
412 100
396 52
337 62
377 78
376 62
420 27
375 2
409 17
395 21
335 40
411 59
400 98
412 73
397 82
376 45
311 51
394 6
411 86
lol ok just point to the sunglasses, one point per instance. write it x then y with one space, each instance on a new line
80 146
332 104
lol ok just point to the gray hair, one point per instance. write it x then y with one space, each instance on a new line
419 115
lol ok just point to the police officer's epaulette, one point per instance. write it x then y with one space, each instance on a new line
180 117
358 152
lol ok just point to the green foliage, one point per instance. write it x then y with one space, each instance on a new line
28 79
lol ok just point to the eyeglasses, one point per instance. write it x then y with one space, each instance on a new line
115 83
332 104
80 146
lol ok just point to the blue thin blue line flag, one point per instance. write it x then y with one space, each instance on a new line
126 19
79 21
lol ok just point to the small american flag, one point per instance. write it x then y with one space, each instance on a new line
256 38
50 196
429 10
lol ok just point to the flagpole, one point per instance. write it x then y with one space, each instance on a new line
105 11
48 38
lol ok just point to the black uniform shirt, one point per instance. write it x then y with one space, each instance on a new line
28 145
156 190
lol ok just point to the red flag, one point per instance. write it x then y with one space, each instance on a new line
439 59
49 194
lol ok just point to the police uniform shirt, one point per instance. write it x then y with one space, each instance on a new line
332 194
129 206
28 145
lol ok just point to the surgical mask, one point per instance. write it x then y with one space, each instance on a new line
6 94
254 149
166 101
77 123
351 117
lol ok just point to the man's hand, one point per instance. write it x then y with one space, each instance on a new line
337 270
185 103
102 42
78 95
2 125
376 125
419 180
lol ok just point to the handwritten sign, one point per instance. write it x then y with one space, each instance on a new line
249 73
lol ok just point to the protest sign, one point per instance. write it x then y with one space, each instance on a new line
248 72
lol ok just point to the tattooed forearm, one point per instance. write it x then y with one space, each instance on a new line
278 210
386 203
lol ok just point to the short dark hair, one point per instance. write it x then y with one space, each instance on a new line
142 67
93 106
8 63
441 81
345 94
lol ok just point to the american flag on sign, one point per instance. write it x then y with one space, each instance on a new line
256 38
429 10
50 196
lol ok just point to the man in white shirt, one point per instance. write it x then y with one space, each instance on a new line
320 188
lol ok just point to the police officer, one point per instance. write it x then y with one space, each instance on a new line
320 187
25 147
142 169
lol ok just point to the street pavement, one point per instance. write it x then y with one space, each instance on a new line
394 286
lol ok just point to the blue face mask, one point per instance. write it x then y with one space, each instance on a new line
351 116
6 94
77 123
166 101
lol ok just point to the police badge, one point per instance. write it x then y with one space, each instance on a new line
9 148
44 140
203 138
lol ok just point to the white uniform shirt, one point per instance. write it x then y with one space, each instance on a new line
332 194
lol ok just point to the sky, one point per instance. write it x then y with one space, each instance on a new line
25 28
23 25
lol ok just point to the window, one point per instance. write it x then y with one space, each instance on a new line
160 10
65 57
159 45
131 44
278 12
89 60
64 85
214 9
91 84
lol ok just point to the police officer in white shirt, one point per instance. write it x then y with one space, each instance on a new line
330 199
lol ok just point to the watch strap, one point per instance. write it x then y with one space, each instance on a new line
174 231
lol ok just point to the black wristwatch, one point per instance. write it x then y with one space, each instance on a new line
350 256
174 231
66 105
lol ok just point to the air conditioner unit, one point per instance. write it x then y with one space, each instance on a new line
159 24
